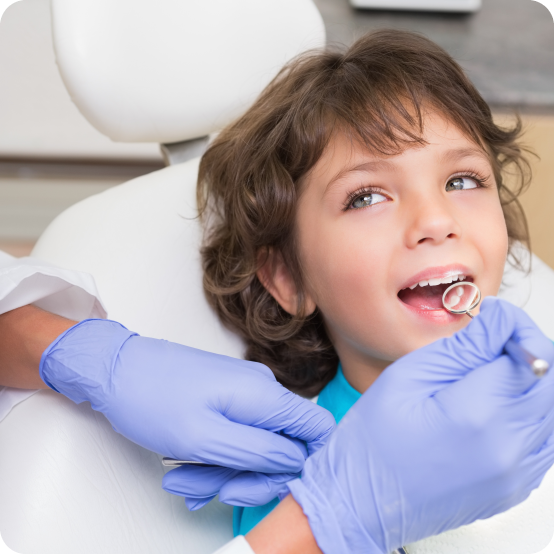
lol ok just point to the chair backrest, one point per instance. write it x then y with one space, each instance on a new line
168 71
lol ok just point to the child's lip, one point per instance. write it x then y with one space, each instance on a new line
441 317
440 272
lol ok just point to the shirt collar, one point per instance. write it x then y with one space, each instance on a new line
338 396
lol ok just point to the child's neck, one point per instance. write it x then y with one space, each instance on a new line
361 372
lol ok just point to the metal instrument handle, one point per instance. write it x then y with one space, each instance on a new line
519 354
170 462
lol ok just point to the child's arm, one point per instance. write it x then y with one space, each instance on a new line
25 333
284 531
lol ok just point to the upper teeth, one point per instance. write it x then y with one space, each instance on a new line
443 281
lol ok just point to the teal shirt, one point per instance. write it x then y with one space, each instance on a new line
337 397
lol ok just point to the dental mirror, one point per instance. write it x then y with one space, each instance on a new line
460 298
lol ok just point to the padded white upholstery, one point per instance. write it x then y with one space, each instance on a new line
148 71
70 485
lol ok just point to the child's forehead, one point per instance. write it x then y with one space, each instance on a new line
436 130
347 151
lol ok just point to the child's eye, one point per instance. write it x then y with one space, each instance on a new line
367 199
461 183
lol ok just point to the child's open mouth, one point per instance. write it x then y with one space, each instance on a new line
427 295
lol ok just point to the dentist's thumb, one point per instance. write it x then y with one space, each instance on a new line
430 369
485 338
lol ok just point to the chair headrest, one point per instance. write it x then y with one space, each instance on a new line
173 70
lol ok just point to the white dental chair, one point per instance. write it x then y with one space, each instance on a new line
171 71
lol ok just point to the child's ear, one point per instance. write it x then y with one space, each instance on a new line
276 277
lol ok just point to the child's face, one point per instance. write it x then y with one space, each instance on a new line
369 227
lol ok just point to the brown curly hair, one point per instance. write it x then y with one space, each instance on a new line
250 177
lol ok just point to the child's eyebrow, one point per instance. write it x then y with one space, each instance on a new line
458 154
373 166
450 156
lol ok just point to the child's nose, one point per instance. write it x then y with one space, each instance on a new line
430 221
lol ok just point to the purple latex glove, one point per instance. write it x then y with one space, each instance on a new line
185 403
451 433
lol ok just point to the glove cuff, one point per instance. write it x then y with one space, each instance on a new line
79 363
334 534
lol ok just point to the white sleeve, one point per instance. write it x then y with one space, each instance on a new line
71 294
236 546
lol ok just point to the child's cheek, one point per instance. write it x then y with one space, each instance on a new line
348 280
488 235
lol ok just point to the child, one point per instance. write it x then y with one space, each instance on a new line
344 202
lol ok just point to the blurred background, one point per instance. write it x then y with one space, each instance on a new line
51 157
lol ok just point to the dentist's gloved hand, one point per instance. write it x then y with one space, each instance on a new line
449 434
185 403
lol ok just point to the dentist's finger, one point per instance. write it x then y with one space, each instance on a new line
254 489
538 435
453 358
197 482
281 411
530 338
194 504
538 400
242 447
486 335
498 389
